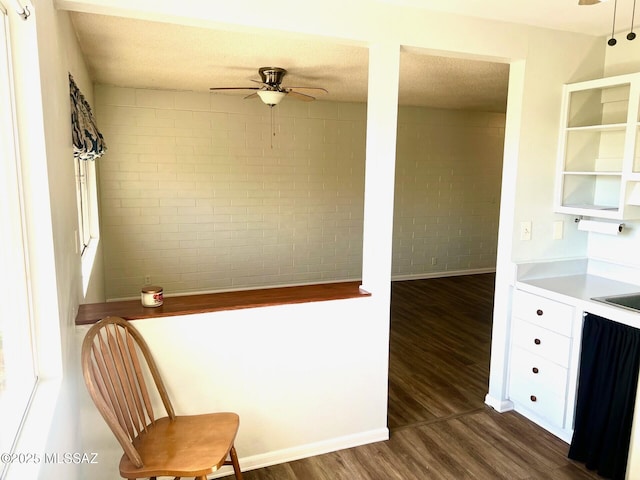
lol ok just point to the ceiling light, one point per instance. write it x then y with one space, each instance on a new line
271 97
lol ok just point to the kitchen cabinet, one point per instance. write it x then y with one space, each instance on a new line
540 363
598 165
548 304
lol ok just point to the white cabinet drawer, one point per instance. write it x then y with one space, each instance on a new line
543 403
540 373
541 342
547 313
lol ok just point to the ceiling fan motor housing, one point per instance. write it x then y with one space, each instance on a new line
272 76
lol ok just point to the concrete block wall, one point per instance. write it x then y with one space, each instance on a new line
448 176
198 194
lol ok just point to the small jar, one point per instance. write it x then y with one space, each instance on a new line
151 296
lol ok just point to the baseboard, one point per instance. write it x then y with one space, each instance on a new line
262 460
413 276
446 273
499 406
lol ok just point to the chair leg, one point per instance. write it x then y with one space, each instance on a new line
235 463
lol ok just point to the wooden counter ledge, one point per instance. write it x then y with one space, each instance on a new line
215 302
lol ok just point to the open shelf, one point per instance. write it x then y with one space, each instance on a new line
599 150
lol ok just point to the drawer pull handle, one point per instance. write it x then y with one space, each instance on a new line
533 398
535 370
539 312
537 341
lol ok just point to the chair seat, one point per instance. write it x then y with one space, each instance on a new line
191 445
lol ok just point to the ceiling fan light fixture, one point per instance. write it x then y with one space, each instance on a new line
271 97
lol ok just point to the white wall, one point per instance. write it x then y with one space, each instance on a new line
447 198
197 194
550 58
49 51
622 58
299 387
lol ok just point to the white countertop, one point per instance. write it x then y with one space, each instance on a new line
578 289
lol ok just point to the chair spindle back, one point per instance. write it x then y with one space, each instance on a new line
114 374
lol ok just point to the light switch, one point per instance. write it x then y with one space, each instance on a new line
525 230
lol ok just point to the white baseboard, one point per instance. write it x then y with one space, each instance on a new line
446 273
262 460
498 405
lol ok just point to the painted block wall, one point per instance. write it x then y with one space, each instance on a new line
199 195
448 176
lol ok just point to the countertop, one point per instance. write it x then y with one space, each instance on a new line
578 288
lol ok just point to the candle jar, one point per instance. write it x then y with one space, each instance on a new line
151 296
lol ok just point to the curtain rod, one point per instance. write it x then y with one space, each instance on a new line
22 7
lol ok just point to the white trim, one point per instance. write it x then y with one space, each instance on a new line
446 273
285 455
242 289
498 405
413 276
34 434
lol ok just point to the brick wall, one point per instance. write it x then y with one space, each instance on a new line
199 195
447 205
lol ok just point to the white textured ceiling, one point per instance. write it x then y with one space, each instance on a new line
146 54
137 53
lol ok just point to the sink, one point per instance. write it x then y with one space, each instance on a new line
630 301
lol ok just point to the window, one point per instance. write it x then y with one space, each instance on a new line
88 145
17 363
83 182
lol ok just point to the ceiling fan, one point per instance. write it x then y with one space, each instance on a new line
272 92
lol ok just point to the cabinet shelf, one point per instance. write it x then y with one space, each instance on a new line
608 208
610 126
599 148
591 172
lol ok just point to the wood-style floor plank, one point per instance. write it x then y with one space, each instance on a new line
438 377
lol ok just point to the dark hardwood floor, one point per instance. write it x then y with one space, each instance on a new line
438 377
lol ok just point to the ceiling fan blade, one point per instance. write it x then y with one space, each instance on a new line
316 89
300 96
233 88
253 95
588 2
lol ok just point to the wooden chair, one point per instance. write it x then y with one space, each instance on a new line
180 446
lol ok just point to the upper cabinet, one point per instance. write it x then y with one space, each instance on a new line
599 150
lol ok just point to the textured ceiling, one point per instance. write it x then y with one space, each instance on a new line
136 53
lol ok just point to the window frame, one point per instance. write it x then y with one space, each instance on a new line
19 366
30 134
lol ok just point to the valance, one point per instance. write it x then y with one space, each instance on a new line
88 143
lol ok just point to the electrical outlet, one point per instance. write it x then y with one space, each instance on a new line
525 230
147 279
558 229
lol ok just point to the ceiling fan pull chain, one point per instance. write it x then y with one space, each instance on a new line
631 35
273 128
612 41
